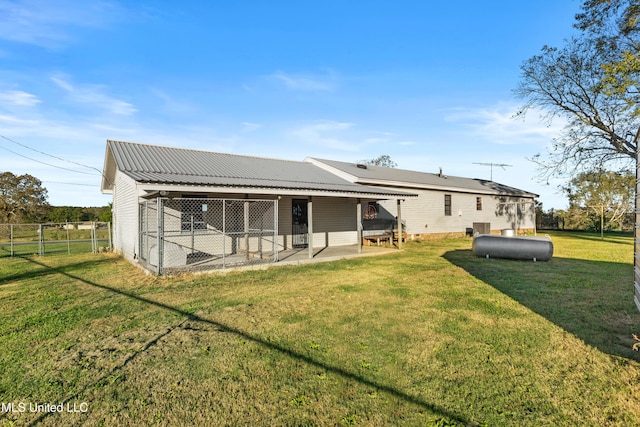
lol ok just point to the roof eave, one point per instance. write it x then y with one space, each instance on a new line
419 186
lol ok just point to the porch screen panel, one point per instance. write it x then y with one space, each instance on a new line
148 243
197 234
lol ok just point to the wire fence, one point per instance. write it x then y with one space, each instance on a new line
54 238
188 234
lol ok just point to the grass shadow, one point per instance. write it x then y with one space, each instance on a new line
112 372
45 271
609 236
399 394
592 300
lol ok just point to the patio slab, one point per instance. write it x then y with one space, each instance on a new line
334 253
300 257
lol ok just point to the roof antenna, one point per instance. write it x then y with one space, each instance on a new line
502 165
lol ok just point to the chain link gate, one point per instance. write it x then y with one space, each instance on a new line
195 234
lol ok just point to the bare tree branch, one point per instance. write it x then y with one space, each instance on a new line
592 82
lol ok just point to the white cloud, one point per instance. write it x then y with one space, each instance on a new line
170 104
306 83
62 83
500 125
15 121
326 134
51 130
336 137
18 98
94 95
49 24
248 127
247 88
115 106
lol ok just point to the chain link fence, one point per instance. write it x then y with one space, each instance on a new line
54 238
189 234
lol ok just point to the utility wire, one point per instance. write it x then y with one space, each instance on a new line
49 155
70 183
45 163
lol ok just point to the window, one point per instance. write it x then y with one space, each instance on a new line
478 203
192 217
371 211
447 204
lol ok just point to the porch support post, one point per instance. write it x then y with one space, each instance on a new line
160 225
359 223
399 224
246 228
310 226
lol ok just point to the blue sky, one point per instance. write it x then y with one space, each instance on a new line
428 83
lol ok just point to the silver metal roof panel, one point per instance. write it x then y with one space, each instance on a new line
402 178
168 165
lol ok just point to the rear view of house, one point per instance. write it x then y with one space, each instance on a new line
182 210
446 205
177 209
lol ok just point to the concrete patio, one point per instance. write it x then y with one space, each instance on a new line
301 256
294 257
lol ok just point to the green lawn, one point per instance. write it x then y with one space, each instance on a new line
431 336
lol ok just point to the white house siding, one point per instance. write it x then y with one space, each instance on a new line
284 223
125 216
334 221
426 213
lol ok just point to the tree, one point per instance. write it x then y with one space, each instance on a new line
595 193
546 220
614 24
64 214
383 160
591 82
76 214
22 198
106 213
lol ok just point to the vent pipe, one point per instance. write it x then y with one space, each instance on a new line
440 174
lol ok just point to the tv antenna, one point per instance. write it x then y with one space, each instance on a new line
502 165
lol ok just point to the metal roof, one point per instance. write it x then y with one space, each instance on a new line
402 178
178 166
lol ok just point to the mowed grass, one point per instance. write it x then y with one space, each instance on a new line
431 336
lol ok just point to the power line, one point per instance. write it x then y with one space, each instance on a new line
48 155
45 163
70 183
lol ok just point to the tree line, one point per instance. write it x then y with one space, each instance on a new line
582 219
598 200
23 200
